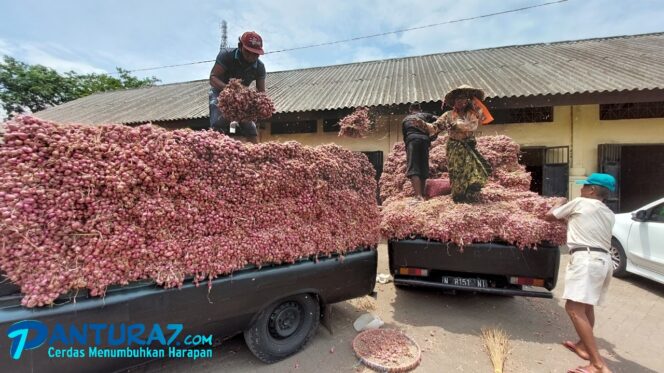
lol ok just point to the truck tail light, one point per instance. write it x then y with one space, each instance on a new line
526 281
413 271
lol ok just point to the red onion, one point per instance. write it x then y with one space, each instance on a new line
508 210
356 124
104 205
239 103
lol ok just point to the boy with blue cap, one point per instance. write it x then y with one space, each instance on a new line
590 267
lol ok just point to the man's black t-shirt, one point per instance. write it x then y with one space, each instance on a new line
235 68
410 131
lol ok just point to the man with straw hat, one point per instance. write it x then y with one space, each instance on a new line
468 170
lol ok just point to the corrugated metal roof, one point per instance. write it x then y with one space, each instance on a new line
623 63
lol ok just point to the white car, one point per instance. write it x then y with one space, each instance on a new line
638 242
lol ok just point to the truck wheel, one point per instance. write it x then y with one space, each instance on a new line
618 259
283 328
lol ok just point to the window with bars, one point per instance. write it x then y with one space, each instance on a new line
523 115
331 125
636 110
301 126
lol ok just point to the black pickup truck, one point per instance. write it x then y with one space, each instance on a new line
495 268
278 308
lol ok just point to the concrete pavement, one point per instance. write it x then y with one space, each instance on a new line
629 330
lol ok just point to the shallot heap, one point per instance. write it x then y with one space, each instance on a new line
356 125
240 103
508 211
87 207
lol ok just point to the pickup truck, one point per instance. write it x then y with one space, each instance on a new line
495 268
278 308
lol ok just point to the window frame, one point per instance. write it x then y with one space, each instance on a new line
329 127
312 127
651 214
631 111
535 114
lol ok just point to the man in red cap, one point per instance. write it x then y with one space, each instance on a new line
237 63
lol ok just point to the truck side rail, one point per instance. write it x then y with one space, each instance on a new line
225 309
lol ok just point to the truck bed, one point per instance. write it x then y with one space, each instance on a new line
227 309
446 266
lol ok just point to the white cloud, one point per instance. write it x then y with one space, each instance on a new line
47 54
368 54
87 37
5 48
36 54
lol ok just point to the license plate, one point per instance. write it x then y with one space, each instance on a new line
467 282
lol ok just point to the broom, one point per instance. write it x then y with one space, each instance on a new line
497 346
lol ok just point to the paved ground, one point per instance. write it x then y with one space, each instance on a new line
630 331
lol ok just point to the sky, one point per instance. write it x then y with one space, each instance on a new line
97 36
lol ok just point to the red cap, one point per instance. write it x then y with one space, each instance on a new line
252 42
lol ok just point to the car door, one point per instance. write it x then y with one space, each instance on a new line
646 240
655 227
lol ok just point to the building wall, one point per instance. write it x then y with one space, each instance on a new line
576 126
386 134
556 133
197 124
591 131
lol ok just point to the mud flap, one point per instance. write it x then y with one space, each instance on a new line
325 318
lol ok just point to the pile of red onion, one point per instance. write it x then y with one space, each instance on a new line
508 211
240 103
387 350
85 207
356 125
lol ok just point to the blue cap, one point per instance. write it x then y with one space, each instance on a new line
604 180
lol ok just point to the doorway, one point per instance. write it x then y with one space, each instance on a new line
639 172
533 159
549 169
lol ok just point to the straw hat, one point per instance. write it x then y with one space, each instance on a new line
464 90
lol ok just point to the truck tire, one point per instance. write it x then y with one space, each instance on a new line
283 328
618 258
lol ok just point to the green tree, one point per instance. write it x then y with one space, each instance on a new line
31 88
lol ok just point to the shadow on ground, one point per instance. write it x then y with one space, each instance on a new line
618 363
534 320
645 284
526 319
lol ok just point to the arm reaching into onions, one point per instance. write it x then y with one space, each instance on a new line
549 215
417 135
241 63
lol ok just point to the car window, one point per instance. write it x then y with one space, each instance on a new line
657 213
